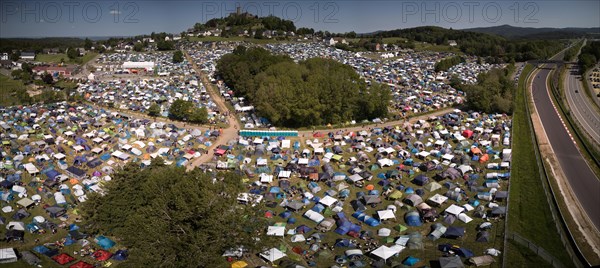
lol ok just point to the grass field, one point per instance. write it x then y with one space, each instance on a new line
8 88
520 256
58 58
529 212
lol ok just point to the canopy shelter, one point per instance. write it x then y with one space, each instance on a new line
272 255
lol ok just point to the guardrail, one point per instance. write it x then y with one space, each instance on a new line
535 248
568 242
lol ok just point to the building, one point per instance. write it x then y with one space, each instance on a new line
4 56
332 41
27 56
55 71
146 65
452 43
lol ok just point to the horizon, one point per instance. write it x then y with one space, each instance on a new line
96 37
37 19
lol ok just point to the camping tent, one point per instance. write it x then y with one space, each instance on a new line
484 260
451 262
8 255
272 255
412 218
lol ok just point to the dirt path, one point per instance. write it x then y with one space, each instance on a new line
230 133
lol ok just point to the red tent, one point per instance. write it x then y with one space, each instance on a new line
220 152
102 255
467 133
63 258
81 264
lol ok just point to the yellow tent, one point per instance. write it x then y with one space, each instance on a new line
239 264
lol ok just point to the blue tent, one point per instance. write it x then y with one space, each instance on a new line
274 189
454 232
412 218
410 261
104 242
120 255
286 214
291 220
342 243
318 208
362 216
420 180
463 252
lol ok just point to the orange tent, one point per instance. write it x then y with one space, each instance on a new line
475 150
146 156
73 181
370 187
484 158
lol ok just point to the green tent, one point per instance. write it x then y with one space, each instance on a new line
401 228
396 194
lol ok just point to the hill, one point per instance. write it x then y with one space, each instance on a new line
513 32
494 47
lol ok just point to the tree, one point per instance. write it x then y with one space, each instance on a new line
47 78
199 116
178 56
72 53
179 109
15 56
165 215
164 45
138 47
154 110
88 44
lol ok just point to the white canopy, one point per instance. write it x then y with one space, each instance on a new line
327 201
386 214
276 230
272 255
385 252
454 209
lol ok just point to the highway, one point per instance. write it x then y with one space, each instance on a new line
580 176
580 105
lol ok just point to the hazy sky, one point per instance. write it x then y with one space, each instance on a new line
19 18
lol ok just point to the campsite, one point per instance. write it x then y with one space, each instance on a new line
392 192
55 155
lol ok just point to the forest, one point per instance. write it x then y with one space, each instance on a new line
312 92
167 217
497 48
493 92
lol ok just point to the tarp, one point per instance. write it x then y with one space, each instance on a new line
63 258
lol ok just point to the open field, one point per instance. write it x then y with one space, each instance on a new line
58 58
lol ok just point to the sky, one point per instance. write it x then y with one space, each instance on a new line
20 18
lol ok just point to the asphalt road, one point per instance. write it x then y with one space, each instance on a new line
580 105
582 179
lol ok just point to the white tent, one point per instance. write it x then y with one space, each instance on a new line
276 231
438 199
327 201
454 209
314 216
8 255
385 232
386 214
272 255
298 238
464 218
385 252
266 178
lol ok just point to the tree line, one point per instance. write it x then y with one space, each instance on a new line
589 56
447 63
312 92
496 48
168 217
